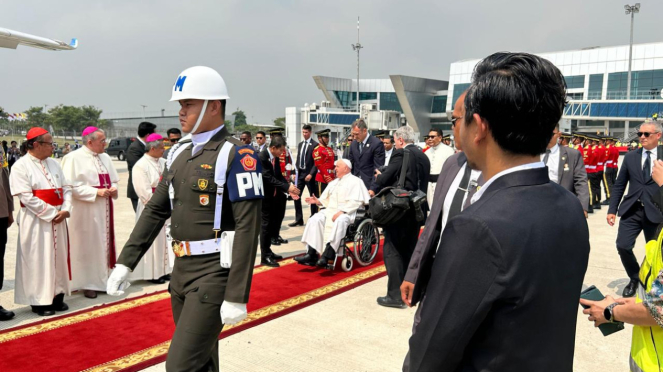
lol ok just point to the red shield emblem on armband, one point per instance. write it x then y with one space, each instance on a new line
249 163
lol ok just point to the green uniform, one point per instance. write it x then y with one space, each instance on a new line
199 284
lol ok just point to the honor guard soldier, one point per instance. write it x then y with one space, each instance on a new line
591 163
446 139
212 191
578 141
611 166
565 140
323 158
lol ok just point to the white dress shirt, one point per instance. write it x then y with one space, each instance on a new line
652 157
387 156
448 199
535 165
200 139
553 163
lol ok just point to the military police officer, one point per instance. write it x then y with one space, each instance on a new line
212 191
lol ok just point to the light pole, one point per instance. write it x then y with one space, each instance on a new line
357 47
143 111
630 9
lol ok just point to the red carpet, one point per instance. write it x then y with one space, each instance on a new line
133 334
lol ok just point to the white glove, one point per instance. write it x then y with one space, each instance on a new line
117 281
232 312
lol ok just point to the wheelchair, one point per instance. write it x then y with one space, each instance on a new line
364 238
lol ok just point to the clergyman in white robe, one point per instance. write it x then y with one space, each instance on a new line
42 269
437 156
146 175
93 241
346 194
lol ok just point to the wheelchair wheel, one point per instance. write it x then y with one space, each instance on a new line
346 263
367 242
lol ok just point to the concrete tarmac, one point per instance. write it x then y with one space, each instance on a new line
350 332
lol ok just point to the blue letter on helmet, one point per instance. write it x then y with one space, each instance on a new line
180 82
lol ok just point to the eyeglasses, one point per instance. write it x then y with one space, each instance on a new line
174 140
453 121
260 137
427 137
646 134
47 143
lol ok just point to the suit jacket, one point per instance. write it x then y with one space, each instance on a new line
572 175
365 163
135 151
503 295
309 166
419 269
6 198
631 173
273 182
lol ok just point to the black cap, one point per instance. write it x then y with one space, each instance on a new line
324 132
276 131
381 134
446 137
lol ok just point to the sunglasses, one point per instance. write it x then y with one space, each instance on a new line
427 137
453 121
260 137
174 140
646 134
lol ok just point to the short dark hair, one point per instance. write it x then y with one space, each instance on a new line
438 131
277 142
145 128
261 132
247 133
173 131
307 127
12 142
521 96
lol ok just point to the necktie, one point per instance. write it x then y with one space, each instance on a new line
302 164
361 147
646 172
545 158
470 193
457 202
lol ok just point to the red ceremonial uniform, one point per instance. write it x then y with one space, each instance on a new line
286 164
323 158
590 159
601 157
613 157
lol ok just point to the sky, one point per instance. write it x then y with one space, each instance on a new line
131 52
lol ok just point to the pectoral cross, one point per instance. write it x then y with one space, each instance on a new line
57 191
106 184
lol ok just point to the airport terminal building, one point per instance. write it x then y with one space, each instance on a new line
597 92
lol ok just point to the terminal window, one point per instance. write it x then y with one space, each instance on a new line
644 84
458 90
575 82
439 104
595 86
389 102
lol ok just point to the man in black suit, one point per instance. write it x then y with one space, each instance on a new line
136 151
366 155
637 211
504 287
306 174
566 168
273 205
400 238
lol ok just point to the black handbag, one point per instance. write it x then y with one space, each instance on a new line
390 204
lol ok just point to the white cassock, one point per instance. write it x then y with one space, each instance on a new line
345 194
146 175
437 156
42 269
93 242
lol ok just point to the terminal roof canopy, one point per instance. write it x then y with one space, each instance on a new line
12 39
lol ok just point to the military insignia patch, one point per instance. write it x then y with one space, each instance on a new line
202 184
204 199
205 166
248 162
245 151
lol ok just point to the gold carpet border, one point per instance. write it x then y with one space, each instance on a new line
9 336
162 348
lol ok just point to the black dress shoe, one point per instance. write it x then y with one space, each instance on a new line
606 202
631 288
390 302
275 241
296 223
43 310
269 261
281 240
277 256
309 259
157 281
597 206
327 255
60 307
6 314
166 277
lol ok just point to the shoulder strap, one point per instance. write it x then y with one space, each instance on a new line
406 161
173 153
220 180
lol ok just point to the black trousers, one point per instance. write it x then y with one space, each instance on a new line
3 245
134 203
272 208
197 289
595 184
399 242
609 177
312 189
631 224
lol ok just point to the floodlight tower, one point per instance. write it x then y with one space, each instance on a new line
630 9
357 47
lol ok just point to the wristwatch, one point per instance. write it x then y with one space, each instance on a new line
608 314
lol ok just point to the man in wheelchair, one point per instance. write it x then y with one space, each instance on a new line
327 228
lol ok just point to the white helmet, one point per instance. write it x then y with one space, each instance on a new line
199 82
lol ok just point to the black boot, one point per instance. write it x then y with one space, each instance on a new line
309 259
327 255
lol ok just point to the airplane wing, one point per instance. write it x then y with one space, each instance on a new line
12 39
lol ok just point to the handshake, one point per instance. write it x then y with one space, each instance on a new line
294 192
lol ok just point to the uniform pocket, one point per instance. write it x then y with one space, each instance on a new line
211 294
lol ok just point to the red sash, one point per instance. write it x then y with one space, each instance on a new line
49 196
105 183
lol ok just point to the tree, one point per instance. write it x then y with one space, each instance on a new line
279 122
240 118
37 117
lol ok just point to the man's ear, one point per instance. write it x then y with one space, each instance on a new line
482 129
214 107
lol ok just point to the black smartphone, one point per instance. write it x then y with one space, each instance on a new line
593 294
